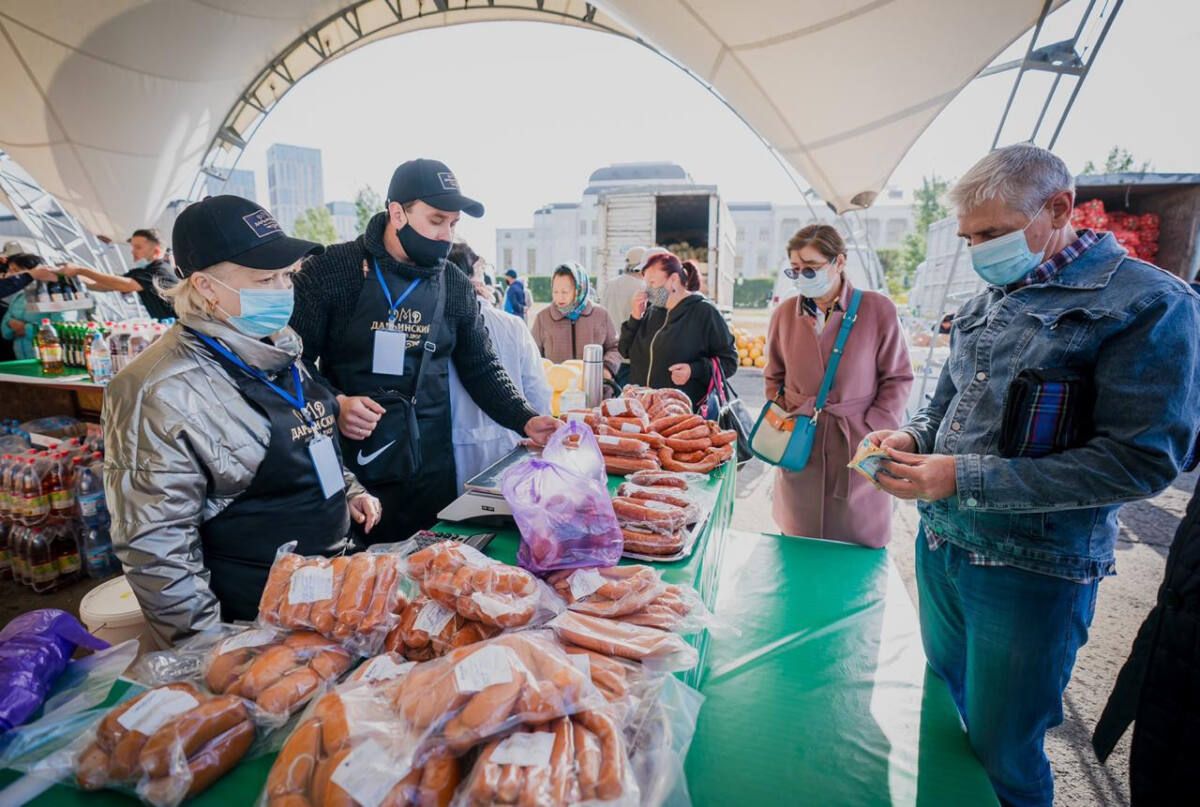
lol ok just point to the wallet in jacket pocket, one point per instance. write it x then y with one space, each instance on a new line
1047 410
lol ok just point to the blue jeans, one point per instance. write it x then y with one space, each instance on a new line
1004 640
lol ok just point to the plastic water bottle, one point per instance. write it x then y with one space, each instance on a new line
100 363
98 560
139 340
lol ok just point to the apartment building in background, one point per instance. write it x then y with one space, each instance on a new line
240 183
295 181
345 219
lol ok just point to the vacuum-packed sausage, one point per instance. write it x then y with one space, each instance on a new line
293 767
664 479
190 732
651 543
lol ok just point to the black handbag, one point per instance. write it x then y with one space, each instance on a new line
732 412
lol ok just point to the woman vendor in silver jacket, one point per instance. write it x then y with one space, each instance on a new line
218 438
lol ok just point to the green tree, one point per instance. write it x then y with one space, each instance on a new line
316 224
900 266
366 204
1118 161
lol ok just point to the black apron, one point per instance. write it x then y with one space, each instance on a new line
407 461
283 503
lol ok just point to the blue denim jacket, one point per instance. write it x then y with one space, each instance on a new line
1136 329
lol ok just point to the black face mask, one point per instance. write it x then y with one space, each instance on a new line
425 252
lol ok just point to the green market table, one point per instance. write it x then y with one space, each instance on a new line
27 393
825 697
822 699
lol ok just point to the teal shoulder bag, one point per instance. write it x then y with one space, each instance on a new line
785 439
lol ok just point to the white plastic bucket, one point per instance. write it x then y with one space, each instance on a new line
111 612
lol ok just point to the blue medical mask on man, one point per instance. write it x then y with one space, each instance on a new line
264 311
1005 260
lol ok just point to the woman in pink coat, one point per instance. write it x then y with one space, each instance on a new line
827 499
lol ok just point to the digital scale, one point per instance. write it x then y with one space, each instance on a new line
482 500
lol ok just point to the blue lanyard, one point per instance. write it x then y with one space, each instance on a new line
392 306
296 400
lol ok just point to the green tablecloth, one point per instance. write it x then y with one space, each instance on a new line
32 368
825 698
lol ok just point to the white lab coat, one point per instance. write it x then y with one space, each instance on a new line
478 440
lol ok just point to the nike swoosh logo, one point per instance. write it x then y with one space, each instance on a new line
367 459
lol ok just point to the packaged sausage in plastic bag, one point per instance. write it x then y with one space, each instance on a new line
607 591
349 598
350 749
656 649
690 503
165 744
428 629
462 579
566 520
581 759
574 447
278 670
489 688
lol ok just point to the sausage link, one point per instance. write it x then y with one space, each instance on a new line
191 731
690 422
627 465
664 479
684 445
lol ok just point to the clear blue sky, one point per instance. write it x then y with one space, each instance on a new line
529 110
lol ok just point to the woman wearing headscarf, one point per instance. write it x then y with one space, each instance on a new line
572 320
219 439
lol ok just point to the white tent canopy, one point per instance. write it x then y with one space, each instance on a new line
841 88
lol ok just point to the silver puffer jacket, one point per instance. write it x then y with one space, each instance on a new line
181 443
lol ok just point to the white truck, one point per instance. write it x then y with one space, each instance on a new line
693 222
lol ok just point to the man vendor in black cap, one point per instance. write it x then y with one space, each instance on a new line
384 318
220 443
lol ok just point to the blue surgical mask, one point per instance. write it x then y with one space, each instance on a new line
815 287
264 311
1005 260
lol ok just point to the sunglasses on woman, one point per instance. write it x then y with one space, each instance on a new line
807 272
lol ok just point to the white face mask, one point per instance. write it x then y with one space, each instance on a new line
817 286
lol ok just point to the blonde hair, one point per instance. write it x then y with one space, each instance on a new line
186 299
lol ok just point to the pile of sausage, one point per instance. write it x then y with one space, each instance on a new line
653 512
464 580
648 429
350 598
577 759
145 740
279 672
303 773
429 629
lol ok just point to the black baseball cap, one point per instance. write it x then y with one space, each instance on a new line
433 183
230 228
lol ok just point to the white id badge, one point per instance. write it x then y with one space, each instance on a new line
325 463
388 357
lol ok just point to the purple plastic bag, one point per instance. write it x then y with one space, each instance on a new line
34 650
584 459
566 520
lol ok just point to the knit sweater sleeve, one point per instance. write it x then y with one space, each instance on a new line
326 291
479 368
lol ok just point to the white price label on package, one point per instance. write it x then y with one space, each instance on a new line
311 584
616 407
482 669
584 583
576 417
433 618
250 638
368 773
607 440
382 668
526 750
631 428
150 713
